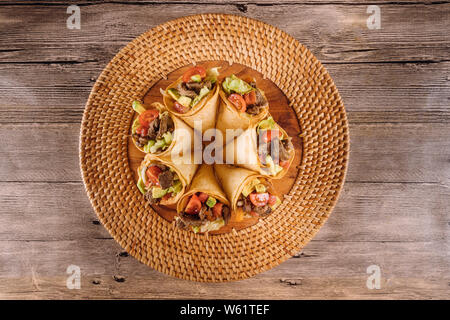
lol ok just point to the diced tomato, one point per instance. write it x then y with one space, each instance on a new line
267 135
148 116
142 131
259 199
194 205
250 98
284 164
272 200
180 108
238 102
194 71
167 196
153 173
203 197
217 209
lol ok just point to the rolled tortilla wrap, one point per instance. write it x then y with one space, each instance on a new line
234 179
243 152
185 173
204 181
230 118
183 135
205 110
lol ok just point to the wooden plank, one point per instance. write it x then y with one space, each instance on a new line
371 92
335 33
405 153
420 212
39 152
242 4
333 270
379 153
52 211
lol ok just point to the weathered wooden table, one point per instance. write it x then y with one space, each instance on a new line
394 209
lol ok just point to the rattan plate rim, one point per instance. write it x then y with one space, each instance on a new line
151 239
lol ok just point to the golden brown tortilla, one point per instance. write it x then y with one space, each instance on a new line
234 179
205 110
183 135
243 152
230 118
204 181
184 171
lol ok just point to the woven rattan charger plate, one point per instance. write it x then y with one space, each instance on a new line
109 179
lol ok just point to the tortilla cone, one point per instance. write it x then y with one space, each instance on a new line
183 135
243 152
205 110
204 181
233 180
184 171
229 118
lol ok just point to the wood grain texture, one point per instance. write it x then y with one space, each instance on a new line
410 32
370 207
410 270
392 92
393 210
414 153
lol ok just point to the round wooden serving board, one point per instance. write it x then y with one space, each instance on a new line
279 108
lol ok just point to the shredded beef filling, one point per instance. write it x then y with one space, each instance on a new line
165 179
249 207
255 109
205 214
192 89
148 196
278 151
165 125
157 128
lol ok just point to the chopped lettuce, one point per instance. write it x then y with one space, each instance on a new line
203 92
168 137
273 168
196 78
211 226
149 145
142 175
141 186
157 192
138 107
159 144
267 124
135 125
173 93
185 101
260 188
234 84
175 188
196 229
212 74
211 202
250 187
